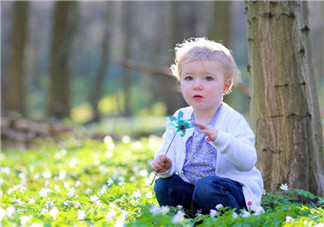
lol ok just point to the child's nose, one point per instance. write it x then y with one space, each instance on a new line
197 85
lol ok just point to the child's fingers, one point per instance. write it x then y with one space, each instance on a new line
200 125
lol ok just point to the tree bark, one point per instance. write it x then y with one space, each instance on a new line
63 27
15 95
96 92
284 104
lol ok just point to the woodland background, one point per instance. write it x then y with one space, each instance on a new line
63 60
104 66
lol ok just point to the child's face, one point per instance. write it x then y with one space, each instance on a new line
203 84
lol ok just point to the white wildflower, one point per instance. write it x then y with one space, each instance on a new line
81 214
234 215
108 154
77 183
24 220
5 170
126 139
137 145
18 201
165 210
49 204
320 224
111 215
179 207
94 198
149 195
44 211
10 211
212 213
71 192
56 188
258 211
47 174
120 222
121 179
77 205
67 203
103 189
88 191
36 176
36 225
63 152
2 213
137 193
178 218
54 211
110 142
110 181
155 210
62 175
132 179
124 214
219 206
143 173
245 214
14 188
47 184
43 192
284 187
73 162
66 184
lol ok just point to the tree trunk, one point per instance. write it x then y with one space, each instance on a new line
96 92
284 104
220 25
63 27
126 77
15 95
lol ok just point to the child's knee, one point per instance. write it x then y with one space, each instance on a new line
203 189
159 186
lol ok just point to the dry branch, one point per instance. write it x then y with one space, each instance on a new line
165 71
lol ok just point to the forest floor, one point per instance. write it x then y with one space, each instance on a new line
82 180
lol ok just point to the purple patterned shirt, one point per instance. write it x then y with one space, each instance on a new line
201 157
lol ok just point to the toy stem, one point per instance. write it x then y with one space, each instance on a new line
164 154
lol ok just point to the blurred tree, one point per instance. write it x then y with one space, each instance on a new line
284 104
63 28
220 30
96 91
220 22
15 92
126 74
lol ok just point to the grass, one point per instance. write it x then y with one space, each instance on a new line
106 183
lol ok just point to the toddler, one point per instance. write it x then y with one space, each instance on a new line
214 162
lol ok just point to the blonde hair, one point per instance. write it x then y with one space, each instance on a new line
202 49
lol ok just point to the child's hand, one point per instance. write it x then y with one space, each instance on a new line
161 164
209 131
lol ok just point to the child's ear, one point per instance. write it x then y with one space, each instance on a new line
227 85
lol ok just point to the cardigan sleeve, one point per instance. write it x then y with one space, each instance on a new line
236 143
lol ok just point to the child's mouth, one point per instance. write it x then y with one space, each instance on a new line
197 97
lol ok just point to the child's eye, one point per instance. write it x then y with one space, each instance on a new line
188 78
209 78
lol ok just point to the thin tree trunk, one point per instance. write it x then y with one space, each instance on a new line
15 95
284 104
96 92
220 25
126 77
63 27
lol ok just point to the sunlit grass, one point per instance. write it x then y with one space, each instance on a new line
86 182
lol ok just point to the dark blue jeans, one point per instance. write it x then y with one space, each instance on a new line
205 195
